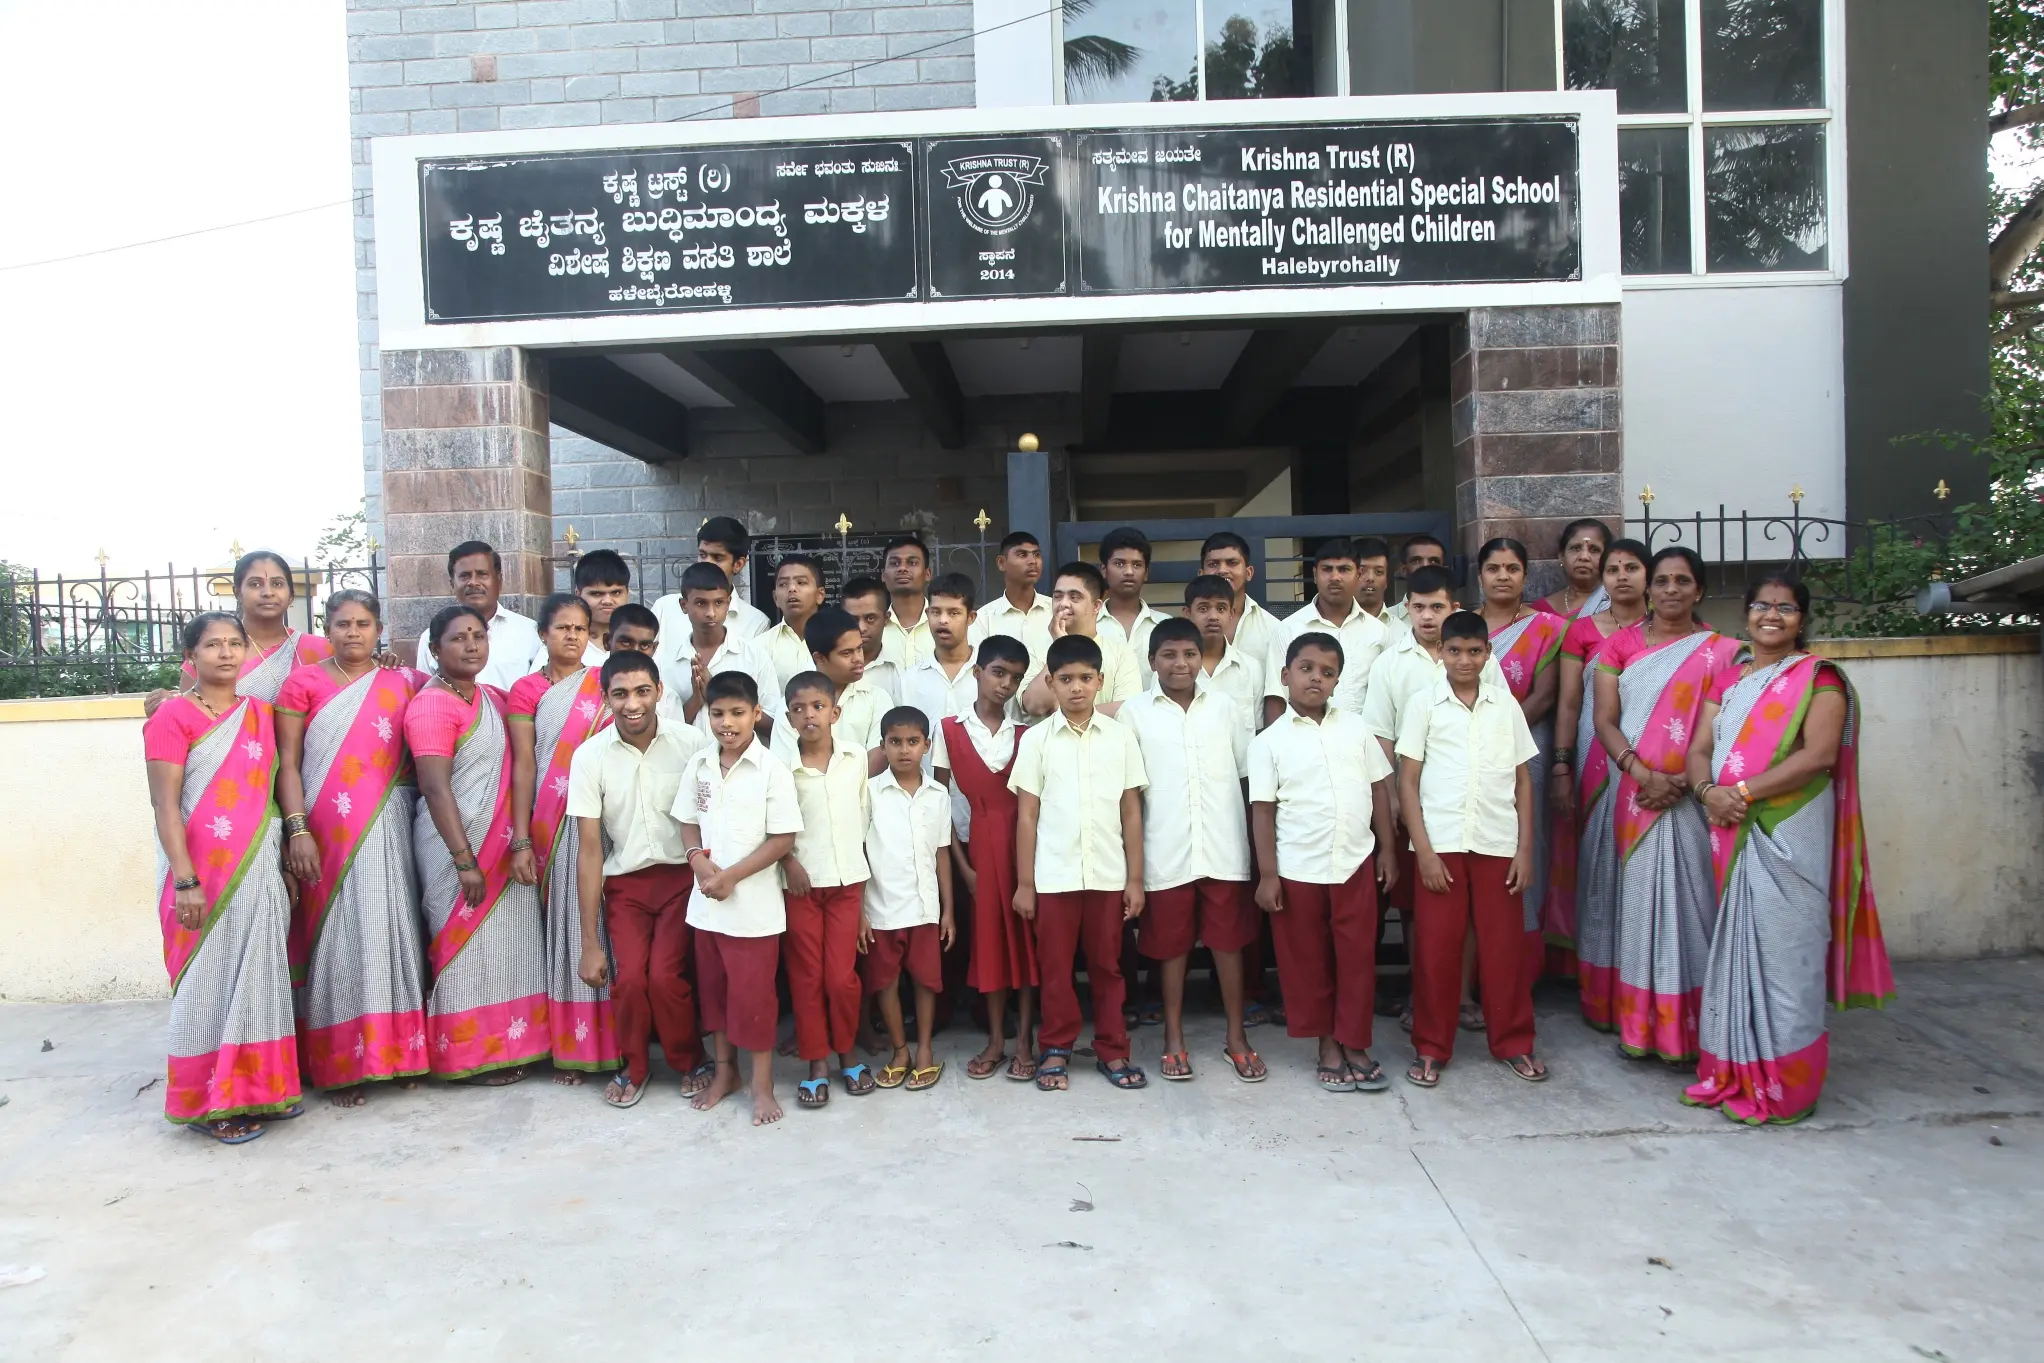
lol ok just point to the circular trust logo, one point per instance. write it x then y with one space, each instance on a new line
996 191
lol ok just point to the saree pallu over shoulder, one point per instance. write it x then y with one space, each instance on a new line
1682 671
1525 647
233 1049
583 1030
262 677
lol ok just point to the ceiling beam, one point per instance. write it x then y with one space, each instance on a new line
1389 386
1268 365
1099 363
924 372
593 397
760 384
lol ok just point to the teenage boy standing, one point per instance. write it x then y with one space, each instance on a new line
905 568
721 541
1332 611
1210 605
798 594
866 600
1421 551
1075 613
1225 554
1125 564
707 646
1020 612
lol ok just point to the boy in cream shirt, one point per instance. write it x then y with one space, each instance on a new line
1075 598
908 922
1464 746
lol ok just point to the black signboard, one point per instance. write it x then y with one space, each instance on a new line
1156 210
996 216
589 233
1319 205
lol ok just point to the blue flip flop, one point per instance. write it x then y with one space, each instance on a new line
852 1074
621 1081
812 1092
243 1136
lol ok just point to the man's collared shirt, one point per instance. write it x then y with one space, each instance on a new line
1195 826
743 622
1001 616
1137 636
677 674
633 794
736 811
514 642
1401 671
1468 787
1078 777
1255 631
786 649
1320 777
1362 637
906 645
1240 680
831 844
905 833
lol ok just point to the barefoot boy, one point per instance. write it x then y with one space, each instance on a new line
1468 801
623 782
1195 747
1078 780
908 917
738 816
1319 807
826 876
975 750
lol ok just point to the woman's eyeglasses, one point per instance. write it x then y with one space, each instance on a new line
1781 608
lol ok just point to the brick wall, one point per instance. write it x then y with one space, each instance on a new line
442 68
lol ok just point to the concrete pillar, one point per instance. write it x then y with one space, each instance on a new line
464 458
1537 428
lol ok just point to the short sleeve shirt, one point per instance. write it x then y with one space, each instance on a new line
1078 776
736 811
1468 792
1319 775
1195 826
632 793
1362 637
904 834
831 844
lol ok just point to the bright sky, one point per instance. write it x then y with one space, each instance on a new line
165 401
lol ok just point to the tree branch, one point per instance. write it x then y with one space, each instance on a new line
2016 240
2009 302
2022 116
2019 324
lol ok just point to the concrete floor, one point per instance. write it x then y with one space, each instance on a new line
1591 1218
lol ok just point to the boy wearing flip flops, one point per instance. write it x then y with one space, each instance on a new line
1195 746
1468 803
1078 778
908 922
826 883
1320 808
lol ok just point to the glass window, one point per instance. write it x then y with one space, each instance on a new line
1640 48
1653 199
1250 53
1128 51
1764 201
1427 47
1763 54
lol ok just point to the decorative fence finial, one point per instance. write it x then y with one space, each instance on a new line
101 558
1942 490
1646 495
982 520
571 539
843 526
1796 493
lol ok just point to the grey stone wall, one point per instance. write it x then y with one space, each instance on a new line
439 68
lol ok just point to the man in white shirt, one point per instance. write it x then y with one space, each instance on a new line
724 542
622 783
909 921
1195 748
1469 806
706 647
1373 581
1319 808
1225 554
1020 612
835 650
1421 551
1333 610
905 568
865 599
476 575
1125 564
943 684
1076 595
798 595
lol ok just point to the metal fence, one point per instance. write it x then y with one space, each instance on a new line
1834 556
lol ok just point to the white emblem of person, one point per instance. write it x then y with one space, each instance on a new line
995 190
994 201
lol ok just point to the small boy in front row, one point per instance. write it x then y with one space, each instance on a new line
1468 802
908 922
1078 778
739 816
1319 811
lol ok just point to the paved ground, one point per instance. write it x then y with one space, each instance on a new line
1592 1218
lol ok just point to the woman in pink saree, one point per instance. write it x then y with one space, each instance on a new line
358 963
1640 956
263 593
486 1015
223 905
1583 592
1580 773
1776 768
552 712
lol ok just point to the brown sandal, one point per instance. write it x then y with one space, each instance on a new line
1175 1065
1249 1066
1022 1067
979 1067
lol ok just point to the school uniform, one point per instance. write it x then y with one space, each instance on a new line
906 831
1362 637
906 645
1238 677
744 621
1255 631
1002 942
885 679
1081 869
1136 636
786 649
823 925
676 658
1195 826
1029 626
1319 775
1468 799
646 885
738 938
940 695
1120 678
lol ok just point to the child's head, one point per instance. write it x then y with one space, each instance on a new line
1073 663
1210 604
723 541
1465 647
1125 561
1423 551
949 609
1226 554
633 629
905 565
1076 593
631 683
1002 664
798 586
904 738
1335 572
1020 560
812 705
1312 667
1429 599
1174 655
732 702
604 582
705 595
837 645
866 599
1373 573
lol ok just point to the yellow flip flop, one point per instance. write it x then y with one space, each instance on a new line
917 1083
891 1076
